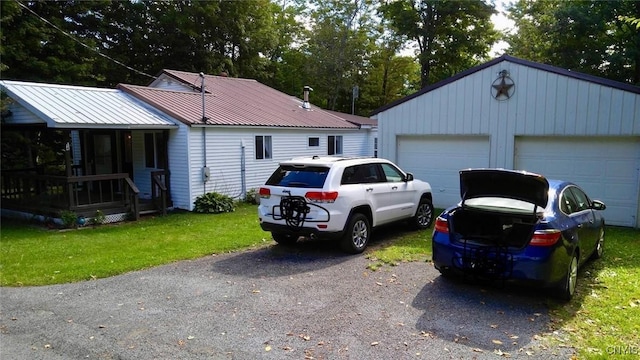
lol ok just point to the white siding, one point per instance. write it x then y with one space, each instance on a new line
20 115
141 175
179 160
168 83
543 104
224 155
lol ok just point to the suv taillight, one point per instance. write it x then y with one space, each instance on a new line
441 225
545 237
322 196
264 193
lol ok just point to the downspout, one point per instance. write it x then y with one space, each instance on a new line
206 173
243 170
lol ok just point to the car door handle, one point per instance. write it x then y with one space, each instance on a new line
369 189
394 188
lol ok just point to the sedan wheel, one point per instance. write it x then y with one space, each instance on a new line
570 282
357 234
597 254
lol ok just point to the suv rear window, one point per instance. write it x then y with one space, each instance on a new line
301 177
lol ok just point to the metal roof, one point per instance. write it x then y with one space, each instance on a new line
515 60
355 119
234 102
65 106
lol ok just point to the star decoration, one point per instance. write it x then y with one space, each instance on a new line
502 88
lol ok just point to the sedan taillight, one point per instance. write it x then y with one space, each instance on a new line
264 193
545 237
441 225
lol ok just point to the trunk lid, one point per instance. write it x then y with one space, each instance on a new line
501 183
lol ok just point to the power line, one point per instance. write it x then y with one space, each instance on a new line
83 44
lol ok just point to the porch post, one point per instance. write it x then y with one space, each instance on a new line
67 165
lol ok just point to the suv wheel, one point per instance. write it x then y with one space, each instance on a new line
357 234
424 215
284 239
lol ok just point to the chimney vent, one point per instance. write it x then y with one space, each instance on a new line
305 102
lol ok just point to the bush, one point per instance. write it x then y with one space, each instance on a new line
251 197
98 219
68 218
213 203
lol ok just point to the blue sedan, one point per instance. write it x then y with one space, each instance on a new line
516 225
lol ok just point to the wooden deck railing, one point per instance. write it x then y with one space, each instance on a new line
48 195
159 193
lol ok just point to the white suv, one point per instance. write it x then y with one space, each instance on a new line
343 198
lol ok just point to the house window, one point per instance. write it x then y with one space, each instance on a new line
314 142
335 145
155 154
263 147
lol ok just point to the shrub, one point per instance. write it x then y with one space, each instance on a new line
68 218
251 197
98 219
213 203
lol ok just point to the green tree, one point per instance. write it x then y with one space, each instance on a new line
39 41
586 36
452 35
340 41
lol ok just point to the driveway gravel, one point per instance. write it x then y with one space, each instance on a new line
306 302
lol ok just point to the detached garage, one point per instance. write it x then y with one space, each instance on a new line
516 114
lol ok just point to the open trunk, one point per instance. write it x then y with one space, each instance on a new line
495 229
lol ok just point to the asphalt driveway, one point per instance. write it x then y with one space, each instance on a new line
308 302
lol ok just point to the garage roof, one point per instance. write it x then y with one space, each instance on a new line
505 57
65 106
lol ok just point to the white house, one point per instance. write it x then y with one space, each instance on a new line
168 141
232 136
516 114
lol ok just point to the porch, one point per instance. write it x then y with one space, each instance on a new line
49 196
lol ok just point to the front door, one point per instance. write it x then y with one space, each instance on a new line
103 156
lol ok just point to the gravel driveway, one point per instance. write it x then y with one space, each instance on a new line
307 302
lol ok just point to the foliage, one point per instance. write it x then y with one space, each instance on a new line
214 203
630 20
98 218
36 51
452 36
585 36
68 218
251 197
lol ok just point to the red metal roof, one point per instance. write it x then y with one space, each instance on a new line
355 119
234 102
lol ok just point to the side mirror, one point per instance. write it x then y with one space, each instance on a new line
409 177
598 205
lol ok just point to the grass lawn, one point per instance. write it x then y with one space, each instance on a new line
32 255
603 319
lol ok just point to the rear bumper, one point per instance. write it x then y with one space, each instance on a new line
303 231
536 265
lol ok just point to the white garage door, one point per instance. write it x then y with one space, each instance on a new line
438 159
607 168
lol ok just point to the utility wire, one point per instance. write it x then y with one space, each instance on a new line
83 44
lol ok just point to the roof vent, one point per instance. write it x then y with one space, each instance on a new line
305 102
